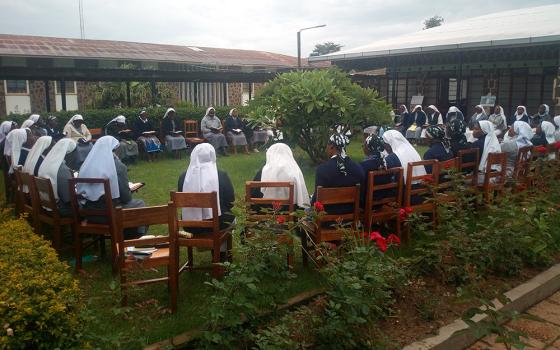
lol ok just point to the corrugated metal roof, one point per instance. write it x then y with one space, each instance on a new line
38 46
517 27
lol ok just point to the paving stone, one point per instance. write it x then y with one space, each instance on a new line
555 298
479 345
547 311
542 331
532 344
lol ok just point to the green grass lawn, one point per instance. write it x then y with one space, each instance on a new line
145 321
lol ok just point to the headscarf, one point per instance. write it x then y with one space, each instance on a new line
27 124
556 121
230 111
375 145
340 141
491 143
371 130
415 109
201 177
405 109
519 116
457 129
167 112
71 122
16 138
523 133
100 164
36 151
142 111
34 118
481 114
118 119
437 133
434 108
457 113
281 166
404 151
5 128
548 130
546 110
53 160
209 109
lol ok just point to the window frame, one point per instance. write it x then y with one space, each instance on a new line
16 93
56 92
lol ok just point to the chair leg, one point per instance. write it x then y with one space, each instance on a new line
216 260
56 237
124 289
173 285
304 250
190 261
78 249
114 258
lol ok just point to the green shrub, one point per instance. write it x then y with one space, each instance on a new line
39 298
97 118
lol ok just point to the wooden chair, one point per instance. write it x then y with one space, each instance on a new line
47 209
24 205
469 167
323 233
270 202
494 177
444 181
212 240
387 208
164 254
192 133
417 187
96 133
83 226
522 170
10 186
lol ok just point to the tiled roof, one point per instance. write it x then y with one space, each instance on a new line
38 46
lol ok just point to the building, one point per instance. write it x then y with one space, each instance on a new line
512 57
42 74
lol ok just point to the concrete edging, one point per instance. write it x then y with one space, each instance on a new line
522 297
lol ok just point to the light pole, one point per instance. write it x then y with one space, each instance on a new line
299 42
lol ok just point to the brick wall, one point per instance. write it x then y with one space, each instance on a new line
37 96
257 87
234 93
86 94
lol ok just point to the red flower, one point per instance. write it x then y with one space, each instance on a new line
408 210
374 236
381 243
557 145
402 214
319 206
427 178
394 239
280 219
448 164
276 206
540 149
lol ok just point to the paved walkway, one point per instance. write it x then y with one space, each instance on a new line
542 335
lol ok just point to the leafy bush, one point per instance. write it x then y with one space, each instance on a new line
39 298
307 105
97 118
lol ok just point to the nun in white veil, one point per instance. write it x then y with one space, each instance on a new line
282 167
484 132
174 141
55 169
557 125
35 156
499 120
16 139
211 128
518 136
77 130
128 148
403 151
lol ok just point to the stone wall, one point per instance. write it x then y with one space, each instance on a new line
86 94
257 87
2 99
37 96
234 93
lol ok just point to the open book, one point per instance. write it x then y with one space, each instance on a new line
236 131
152 132
135 186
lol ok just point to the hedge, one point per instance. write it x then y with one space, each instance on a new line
40 303
97 118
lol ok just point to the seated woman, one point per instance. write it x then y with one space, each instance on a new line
400 154
5 129
544 134
433 116
557 124
282 167
519 135
102 163
52 129
26 146
235 130
339 171
373 149
77 130
499 121
456 135
203 176
37 154
16 140
145 134
37 125
486 142
440 147
452 114
519 115
55 169
128 148
418 118
174 141
211 128
479 114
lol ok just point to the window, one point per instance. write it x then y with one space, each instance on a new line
16 87
70 87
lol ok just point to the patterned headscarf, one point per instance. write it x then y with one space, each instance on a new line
437 133
375 146
340 141
457 129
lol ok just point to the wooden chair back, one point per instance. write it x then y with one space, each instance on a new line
495 176
469 168
283 202
45 196
192 128
95 133
420 185
337 196
23 197
445 170
391 200
522 170
183 200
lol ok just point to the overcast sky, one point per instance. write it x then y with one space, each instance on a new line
268 25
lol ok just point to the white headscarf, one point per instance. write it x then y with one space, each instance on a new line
5 128
556 121
434 108
519 116
404 151
36 151
34 117
118 119
481 114
27 124
416 107
405 109
71 122
491 143
16 138
523 133
282 167
53 160
230 111
167 112
453 109
546 110
201 177
100 164
548 129
209 109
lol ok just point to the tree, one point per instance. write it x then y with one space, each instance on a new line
434 21
307 105
325 48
